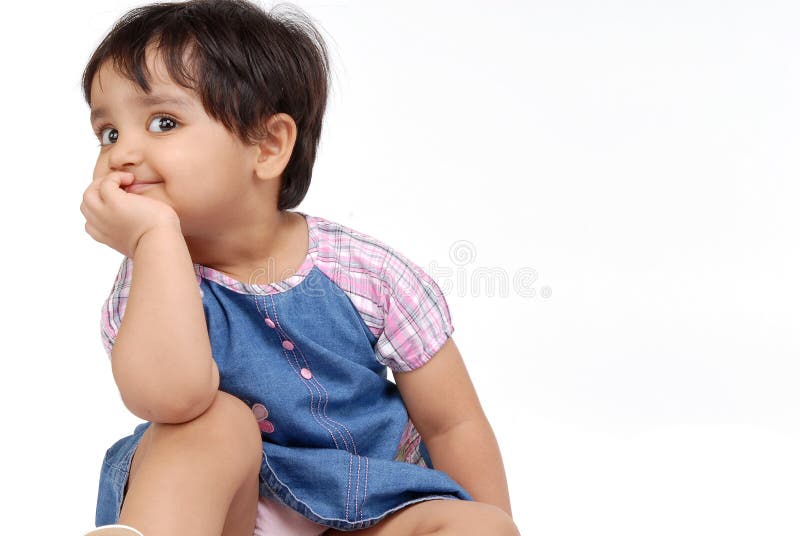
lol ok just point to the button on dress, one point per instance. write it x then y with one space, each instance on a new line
309 354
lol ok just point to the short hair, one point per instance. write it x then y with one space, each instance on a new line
249 63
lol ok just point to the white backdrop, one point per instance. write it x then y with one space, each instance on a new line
633 165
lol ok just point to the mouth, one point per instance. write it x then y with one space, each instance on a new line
139 186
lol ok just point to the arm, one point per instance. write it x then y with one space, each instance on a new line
444 407
161 360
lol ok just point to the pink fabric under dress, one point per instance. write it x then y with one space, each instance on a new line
276 519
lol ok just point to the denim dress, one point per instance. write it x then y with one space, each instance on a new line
309 354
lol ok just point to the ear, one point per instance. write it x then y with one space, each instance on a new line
275 149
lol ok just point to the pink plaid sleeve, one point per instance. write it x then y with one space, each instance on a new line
114 306
417 319
398 301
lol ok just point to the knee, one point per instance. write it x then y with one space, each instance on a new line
228 426
228 419
483 518
227 411
504 524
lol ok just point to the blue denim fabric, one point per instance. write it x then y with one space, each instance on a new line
332 440
114 476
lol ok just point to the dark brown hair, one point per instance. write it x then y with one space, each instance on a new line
249 64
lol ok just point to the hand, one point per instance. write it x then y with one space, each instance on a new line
119 219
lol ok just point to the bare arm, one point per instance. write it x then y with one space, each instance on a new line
445 409
470 455
161 360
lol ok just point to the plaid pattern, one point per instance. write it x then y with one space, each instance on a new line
398 301
114 306
408 449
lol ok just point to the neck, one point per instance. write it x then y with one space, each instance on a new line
257 245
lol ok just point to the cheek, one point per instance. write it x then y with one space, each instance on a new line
207 180
98 170
201 194
196 170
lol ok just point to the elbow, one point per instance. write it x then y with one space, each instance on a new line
171 405
188 408
168 411
191 410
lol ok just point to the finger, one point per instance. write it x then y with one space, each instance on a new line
103 191
94 184
91 201
89 209
111 185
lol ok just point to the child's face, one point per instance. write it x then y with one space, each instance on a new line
206 173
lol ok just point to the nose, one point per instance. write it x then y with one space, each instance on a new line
127 152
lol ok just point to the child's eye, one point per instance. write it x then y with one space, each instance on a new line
161 120
164 121
99 133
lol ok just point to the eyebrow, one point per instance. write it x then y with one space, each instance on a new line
147 100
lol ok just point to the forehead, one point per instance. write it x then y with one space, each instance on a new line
111 89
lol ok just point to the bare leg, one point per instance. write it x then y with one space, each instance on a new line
198 477
442 517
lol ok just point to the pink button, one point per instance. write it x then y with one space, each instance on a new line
288 345
269 322
305 373
266 426
260 411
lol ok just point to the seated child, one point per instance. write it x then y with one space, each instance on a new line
253 339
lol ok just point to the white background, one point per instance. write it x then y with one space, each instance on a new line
640 157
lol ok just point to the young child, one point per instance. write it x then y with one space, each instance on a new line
253 339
